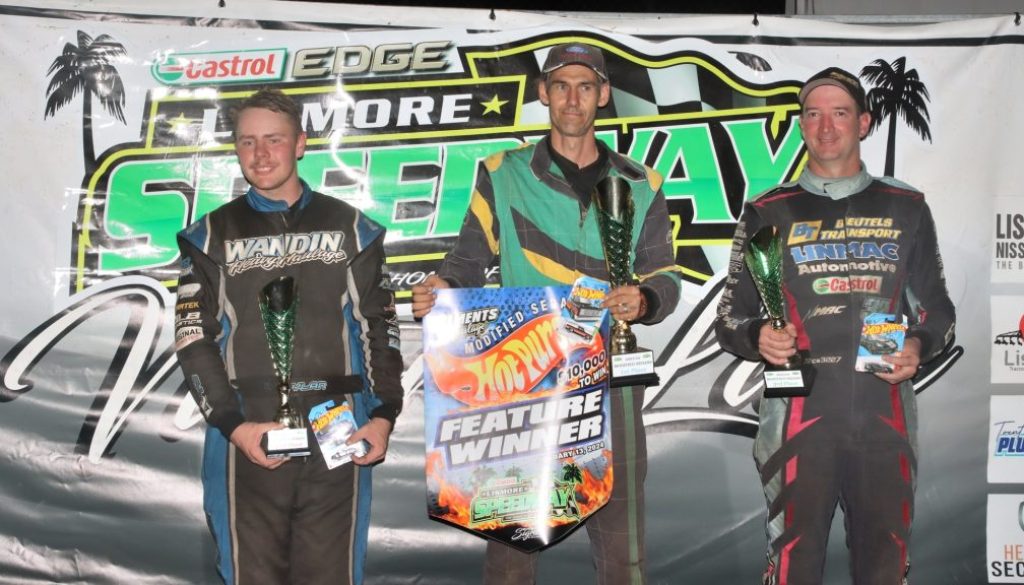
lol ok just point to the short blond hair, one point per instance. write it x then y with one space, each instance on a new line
271 99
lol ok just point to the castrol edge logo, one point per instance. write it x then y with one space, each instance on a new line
220 67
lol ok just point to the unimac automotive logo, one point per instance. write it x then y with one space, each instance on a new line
221 67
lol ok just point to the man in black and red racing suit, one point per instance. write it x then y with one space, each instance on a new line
852 244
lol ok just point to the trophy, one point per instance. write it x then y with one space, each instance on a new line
630 366
763 257
278 301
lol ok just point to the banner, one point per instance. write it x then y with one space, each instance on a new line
517 418
119 136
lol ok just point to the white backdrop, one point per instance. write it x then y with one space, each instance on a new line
100 447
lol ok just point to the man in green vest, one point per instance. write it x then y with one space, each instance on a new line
531 208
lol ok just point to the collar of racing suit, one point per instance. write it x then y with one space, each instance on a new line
835 188
261 203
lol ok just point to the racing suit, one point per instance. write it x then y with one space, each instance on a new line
524 207
300 522
851 246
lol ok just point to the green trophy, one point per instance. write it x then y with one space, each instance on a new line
612 198
279 300
763 257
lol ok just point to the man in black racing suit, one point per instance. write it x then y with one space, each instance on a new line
278 521
853 244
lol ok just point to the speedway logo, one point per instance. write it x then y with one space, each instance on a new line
505 500
178 69
406 150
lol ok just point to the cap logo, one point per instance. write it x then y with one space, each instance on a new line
841 77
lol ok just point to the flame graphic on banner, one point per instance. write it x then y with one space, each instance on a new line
454 504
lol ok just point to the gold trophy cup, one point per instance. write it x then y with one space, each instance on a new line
613 203
763 257
279 300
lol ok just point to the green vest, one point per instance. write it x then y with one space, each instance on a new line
545 238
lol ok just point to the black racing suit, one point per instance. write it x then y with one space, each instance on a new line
851 246
300 522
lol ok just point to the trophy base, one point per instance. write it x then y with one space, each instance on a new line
634 368
286 443
788 381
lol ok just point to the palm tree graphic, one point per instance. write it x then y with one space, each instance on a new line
87 69
898 93
572 473
481 475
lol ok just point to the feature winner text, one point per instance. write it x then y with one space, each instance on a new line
552 423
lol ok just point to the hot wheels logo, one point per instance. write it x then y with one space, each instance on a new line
220 67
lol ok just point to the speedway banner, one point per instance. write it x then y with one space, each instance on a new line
517 421
117 120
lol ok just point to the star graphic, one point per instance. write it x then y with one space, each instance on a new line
180 126
494 105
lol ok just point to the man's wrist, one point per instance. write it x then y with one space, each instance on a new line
385 412
228 422
390 424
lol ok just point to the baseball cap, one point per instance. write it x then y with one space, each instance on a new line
575 54
840 78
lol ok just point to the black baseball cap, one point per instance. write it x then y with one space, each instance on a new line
576 54
840 78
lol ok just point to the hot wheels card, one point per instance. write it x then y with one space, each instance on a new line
882 334
518 429
332 426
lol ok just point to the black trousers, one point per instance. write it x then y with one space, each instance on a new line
295 525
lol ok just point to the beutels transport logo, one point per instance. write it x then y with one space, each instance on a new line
221 67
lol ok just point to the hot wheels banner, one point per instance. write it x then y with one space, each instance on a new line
518 428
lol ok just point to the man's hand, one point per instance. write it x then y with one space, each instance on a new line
247 436
626 303
376 433
776 345
423 295
905 363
